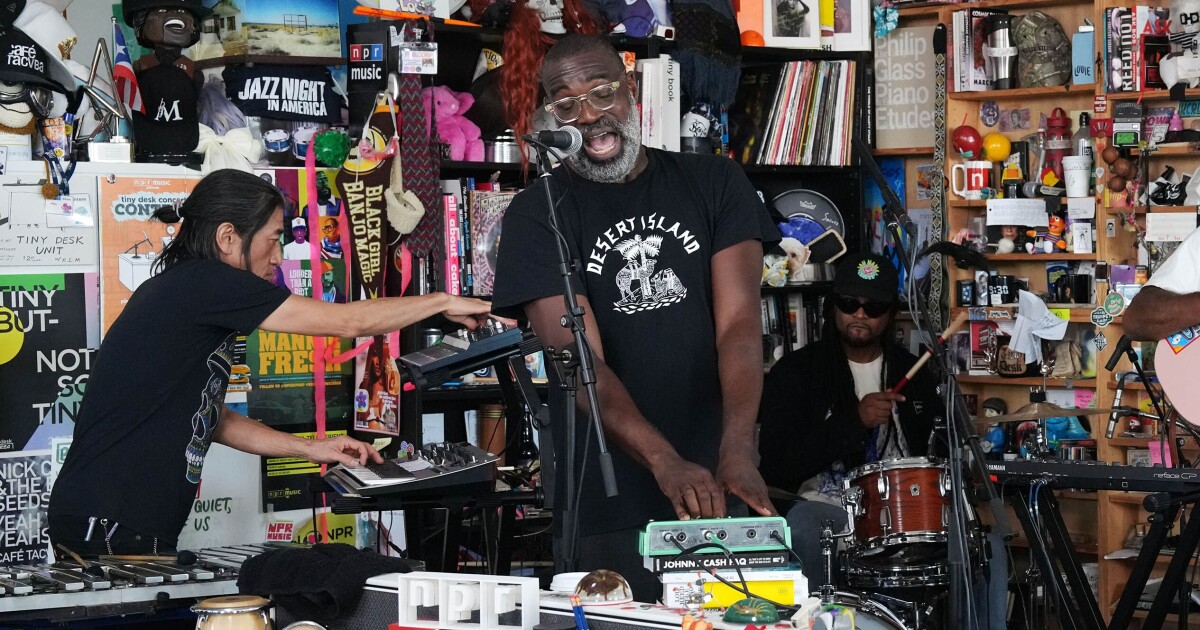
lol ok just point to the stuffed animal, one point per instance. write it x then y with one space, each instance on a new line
444 108
1051 238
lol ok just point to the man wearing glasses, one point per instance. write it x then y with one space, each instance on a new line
826 408
670 261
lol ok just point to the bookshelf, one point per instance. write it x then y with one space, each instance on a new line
1106 516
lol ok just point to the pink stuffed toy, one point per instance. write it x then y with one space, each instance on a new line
445 107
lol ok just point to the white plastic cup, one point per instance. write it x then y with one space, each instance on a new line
1077 171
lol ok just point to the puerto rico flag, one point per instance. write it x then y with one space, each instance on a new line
126 82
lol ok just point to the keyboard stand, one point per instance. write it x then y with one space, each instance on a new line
1055 555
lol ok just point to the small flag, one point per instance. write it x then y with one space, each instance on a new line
126 81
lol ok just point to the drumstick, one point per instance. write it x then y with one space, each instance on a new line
950 330
119 558
404 15
74 556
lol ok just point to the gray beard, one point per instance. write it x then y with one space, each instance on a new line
615 168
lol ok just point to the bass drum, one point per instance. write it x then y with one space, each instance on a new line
867 614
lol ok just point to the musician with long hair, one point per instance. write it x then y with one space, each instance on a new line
155 396
826 408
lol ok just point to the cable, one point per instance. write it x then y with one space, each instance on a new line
787 545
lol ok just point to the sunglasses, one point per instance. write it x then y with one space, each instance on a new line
569 109
850 306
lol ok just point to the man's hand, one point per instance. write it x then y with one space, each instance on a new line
739 477
875 409
691 489
341 449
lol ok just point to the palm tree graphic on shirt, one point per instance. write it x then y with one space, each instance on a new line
653 289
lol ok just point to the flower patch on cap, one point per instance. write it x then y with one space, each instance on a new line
868 269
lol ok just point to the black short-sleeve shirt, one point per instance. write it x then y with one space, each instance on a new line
155 395
645 250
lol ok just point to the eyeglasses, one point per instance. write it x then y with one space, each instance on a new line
601 98
850 306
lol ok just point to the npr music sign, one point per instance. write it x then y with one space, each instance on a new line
458 597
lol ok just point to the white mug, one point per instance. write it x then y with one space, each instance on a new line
1077 172
976 175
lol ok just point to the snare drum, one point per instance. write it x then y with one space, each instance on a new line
898 509
233 612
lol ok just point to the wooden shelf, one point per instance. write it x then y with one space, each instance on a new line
1089 549
1079 314
1175 149
1151 209
1148 95
1131 498
1024 380
912 10
904 151
1075 495
286 60
967 203
503 167
1039 257
1056 91
1129 386
796 169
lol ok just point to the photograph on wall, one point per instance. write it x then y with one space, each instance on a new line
29 235
49 332
271 27
791 24
281 380
377 397
130 238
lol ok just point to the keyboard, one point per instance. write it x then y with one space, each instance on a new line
435 465
1095 475
466 351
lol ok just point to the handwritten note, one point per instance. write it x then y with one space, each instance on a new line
1030 212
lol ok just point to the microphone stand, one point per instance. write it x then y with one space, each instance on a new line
571 363
959 417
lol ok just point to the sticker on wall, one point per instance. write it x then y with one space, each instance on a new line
989 113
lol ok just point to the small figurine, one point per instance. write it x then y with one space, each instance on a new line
1050 239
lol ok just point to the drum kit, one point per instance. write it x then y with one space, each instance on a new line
894 561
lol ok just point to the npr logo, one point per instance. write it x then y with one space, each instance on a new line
366 52
280 530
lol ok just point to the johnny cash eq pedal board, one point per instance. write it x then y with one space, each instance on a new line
755 533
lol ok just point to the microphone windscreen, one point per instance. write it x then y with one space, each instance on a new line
186 558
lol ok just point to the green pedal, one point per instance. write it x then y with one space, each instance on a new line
754 533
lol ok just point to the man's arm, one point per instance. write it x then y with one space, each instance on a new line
237 431
1155 313
364 318
736 276
691 488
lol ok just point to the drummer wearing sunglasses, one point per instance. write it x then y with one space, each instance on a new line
826 408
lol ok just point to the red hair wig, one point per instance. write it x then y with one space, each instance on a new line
524 47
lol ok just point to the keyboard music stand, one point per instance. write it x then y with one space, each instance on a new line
516 388
1057 559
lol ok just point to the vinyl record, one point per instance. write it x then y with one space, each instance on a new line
810 204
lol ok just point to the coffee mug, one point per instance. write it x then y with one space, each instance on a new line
976 175
1000 289
1077 172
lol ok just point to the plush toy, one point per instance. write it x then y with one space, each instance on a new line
1051 238
444 107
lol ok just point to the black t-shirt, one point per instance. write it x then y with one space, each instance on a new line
645 251
155 394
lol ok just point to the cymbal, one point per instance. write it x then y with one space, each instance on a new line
1043 411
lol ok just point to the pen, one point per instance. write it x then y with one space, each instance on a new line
580 620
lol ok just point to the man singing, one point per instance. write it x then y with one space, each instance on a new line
670 248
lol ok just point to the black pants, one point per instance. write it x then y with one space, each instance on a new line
69 531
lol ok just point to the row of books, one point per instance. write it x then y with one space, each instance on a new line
964 60
659 90
1136 38
789 322
472 213
799 113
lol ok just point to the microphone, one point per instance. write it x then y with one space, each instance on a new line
1116 414
1121 348
566 140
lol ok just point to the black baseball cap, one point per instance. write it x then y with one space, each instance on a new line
9 10
866 276
23 60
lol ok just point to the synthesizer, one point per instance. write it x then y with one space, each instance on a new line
466 351
434 466
1094 475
